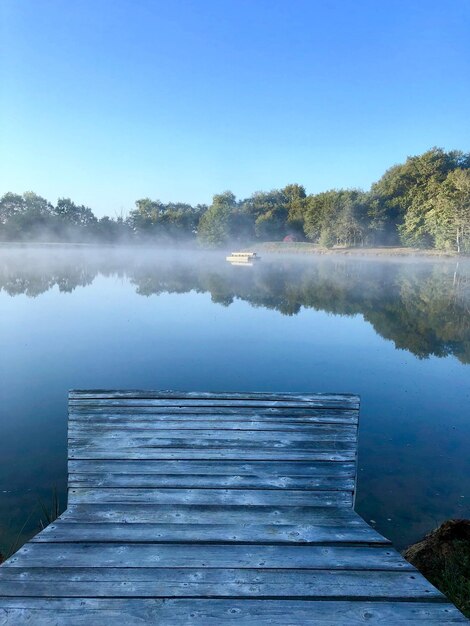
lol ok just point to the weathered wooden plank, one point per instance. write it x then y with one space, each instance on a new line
97 424
208 454
266 469
272 497
295 415
200 394
208 533
143 436
163 582
205 398
210 514
195 555
174 396
216 404
209 481
201 406
214 612
236 441
255 431
214 395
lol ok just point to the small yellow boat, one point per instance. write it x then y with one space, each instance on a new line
243 258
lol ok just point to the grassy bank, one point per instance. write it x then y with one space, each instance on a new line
443 557
383 251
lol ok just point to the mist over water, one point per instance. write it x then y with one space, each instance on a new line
396 332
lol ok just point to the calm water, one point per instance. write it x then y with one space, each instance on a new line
398 333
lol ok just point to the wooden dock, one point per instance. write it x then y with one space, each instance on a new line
213 508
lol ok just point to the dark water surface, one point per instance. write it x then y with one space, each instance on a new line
397 333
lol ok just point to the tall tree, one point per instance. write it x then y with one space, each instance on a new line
271 226
336 216
74 214
269 212
296 205
449 218
215 224
400 199
351 226
144 218
10 205
29 216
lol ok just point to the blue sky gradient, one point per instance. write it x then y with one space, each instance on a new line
109 101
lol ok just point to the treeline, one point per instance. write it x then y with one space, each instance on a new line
424 202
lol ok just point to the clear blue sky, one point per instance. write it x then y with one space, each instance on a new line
107 101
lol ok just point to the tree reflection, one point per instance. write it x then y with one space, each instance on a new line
422 306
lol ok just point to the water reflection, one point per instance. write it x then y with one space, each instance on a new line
422 306
115 319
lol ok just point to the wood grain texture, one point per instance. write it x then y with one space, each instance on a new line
174 582
198 451
219 556
207 481
254 497
211 513
151 532
212 508
195 417
216 612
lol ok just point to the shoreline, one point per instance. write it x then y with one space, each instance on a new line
443 557
270 247
377 251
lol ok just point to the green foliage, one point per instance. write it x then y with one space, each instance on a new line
74 214
401 199
327 237
10 205
454 580
423 202
270 226
30 217
267 213
296 204
144 218
215 223
448 218
276 213
153 219
443 557
107 230
337 216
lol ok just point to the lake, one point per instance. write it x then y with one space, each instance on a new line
397 332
